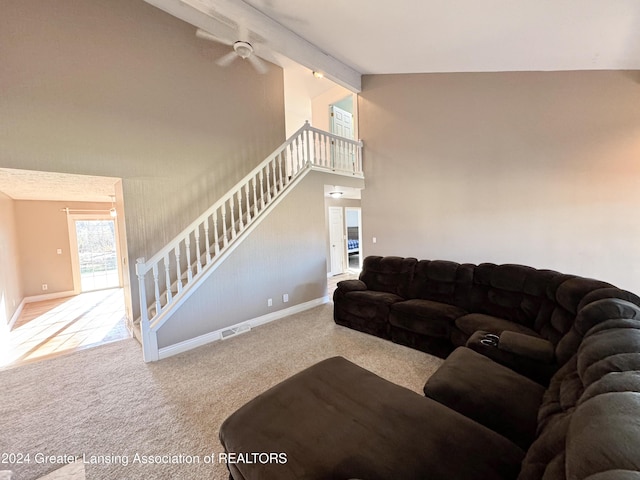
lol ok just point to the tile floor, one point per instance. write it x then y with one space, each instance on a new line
53 327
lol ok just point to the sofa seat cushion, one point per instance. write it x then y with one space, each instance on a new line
425 317
479 321
371 296
338 420
489 393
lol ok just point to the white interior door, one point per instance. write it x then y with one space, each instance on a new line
336 237
341 122
342 125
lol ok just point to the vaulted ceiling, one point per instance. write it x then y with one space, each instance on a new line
346 39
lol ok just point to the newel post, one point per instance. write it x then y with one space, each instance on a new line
140 267
149 341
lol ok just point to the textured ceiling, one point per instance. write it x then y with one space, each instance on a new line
31 185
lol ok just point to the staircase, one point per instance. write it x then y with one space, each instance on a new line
167 279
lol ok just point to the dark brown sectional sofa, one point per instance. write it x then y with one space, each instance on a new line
436 305
546 388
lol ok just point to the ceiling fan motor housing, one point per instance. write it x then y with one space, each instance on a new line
243 49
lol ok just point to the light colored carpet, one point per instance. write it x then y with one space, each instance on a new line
107 405
72 471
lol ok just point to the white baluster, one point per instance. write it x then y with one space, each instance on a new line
176 251
268 184
316 153
294 162
283 177
225 239
216 236
196 234
156 289
275 178
232 224
255 197
240 214
206 234
325 153
167 278
187 244
261 189
322 141
246 191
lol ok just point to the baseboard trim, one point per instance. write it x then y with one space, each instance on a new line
49 296
181 347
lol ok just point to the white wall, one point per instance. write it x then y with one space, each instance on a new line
540 169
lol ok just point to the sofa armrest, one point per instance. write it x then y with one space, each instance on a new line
352 285
537 349
519 352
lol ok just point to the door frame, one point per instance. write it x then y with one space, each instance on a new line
359 212
73 246
342 234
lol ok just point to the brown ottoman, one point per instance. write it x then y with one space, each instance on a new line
336 420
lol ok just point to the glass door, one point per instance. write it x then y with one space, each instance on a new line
96 240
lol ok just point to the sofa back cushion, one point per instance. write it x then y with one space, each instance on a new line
619 304
388 274
442 281
517 293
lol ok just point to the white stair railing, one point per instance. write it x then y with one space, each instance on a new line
166 279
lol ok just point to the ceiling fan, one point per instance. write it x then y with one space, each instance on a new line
242 48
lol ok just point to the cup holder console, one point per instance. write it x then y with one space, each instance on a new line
490 340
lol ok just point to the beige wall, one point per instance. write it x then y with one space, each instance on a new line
535 168
42 229
123 89
10 280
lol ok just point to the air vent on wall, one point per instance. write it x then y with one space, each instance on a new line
232 332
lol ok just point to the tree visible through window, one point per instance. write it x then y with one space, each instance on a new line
97 253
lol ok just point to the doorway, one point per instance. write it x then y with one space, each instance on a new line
94 243
336 239
354 238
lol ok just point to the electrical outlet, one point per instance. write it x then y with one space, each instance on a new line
285 298
45 287
270 302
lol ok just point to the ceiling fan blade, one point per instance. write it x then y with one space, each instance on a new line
260 66
227 59
209 36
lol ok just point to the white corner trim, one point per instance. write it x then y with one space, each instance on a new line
49 296
16 315
196 342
